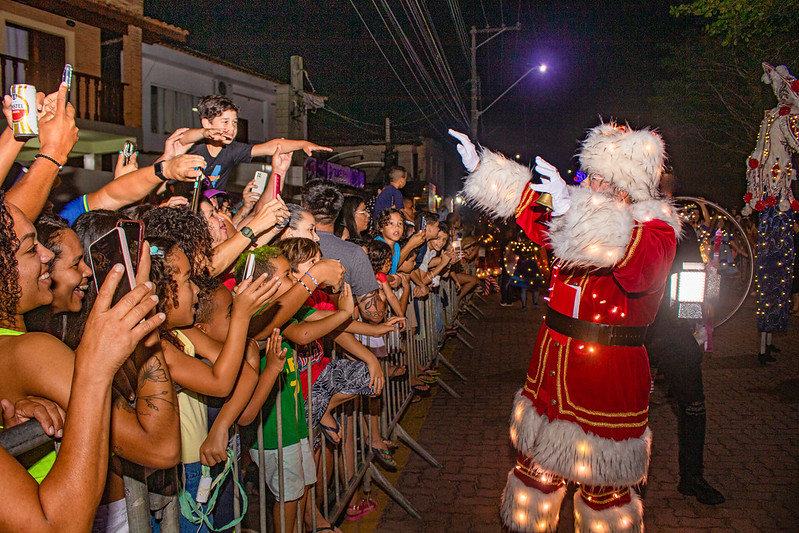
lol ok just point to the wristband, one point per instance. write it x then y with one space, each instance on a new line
382 278
53 161
312 278
310 292
158 168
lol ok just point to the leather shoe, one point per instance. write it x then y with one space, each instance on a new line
699 488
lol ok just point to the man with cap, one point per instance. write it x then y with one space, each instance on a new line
582 413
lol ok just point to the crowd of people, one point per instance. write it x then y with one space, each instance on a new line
230 308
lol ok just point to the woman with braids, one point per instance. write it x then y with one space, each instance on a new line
37 364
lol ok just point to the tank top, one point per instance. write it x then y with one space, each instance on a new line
40 468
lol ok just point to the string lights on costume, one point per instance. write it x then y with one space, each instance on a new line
770 173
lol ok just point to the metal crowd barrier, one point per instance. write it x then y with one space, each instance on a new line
352 463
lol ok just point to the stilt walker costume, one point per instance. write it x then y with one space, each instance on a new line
582 413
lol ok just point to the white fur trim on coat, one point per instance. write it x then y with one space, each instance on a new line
627 518
496 185
564 449
594 231
658 210
629 159
529 510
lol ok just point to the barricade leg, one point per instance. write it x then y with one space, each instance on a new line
392 491
137 502
415 446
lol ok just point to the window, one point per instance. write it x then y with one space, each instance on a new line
170 110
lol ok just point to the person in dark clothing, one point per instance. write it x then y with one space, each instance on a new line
673 350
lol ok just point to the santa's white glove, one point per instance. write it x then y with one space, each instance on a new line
466 149
555 186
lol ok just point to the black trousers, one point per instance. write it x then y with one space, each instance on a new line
675 353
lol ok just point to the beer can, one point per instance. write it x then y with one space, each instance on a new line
23 111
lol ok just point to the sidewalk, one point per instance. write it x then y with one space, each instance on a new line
751 453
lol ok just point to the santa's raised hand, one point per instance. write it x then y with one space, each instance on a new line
554 185
466 149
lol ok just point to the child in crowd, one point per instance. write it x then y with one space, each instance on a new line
298 464
391 228
216 143
171 273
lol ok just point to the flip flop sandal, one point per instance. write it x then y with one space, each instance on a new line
385 458
356 512
421 390
431 372
424 378
328 432
399 372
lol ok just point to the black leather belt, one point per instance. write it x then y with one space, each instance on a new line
595 333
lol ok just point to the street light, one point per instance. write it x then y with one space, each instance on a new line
494 32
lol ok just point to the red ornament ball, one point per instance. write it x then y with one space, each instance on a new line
771 201
753 163
747 197
784 110
759 205
795 86
795 205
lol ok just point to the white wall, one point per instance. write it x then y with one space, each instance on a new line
178 71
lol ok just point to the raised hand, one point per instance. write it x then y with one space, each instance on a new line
112 333
57 130
281 161
253 294
466 149
121 168
173 147
554 185
186 167
345 301
275 353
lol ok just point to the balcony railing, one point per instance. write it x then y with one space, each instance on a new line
94 98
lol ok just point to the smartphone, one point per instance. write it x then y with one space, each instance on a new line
259 183
107 251
127 151
249 266
66 77
457 245
134 233
423 224
276 187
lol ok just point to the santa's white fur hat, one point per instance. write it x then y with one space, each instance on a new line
629 159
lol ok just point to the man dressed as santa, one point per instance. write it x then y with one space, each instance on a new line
582 413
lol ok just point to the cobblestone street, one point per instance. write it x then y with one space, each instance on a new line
751 452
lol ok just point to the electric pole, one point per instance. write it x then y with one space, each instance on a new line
475 81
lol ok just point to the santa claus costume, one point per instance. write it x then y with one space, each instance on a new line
582 413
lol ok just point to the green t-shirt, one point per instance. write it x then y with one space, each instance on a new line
295 425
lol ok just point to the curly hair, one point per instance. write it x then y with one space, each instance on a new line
10 291
162 275
190 229
214 105
263 262
205 307
385 216
379 254
323 200
298 250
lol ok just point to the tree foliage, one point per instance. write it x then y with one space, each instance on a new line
736 21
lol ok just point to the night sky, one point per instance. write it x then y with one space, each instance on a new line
603 57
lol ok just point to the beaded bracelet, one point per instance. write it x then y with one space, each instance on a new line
310 292
312 278
37 156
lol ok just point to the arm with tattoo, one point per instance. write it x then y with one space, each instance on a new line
149 433
372 307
